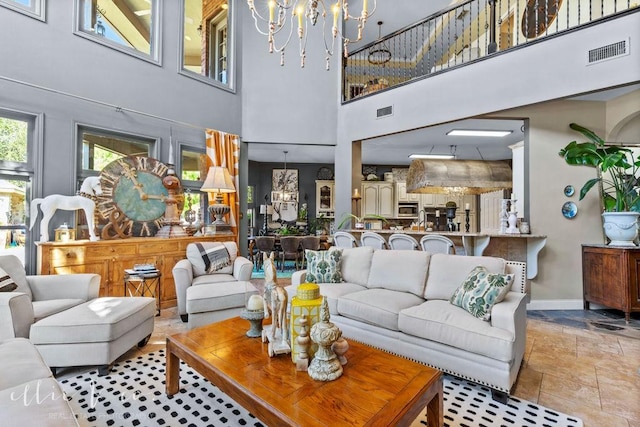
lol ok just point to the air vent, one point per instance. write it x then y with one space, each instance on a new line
386 111
609 51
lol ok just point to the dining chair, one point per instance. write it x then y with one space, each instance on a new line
344 239
403 242
264 244
436 243
289 250
311 243
373 239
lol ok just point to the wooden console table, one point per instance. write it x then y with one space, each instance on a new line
110 258
610 277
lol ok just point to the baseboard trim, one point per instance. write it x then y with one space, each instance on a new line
556 304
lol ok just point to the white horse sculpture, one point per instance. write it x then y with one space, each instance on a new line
90 187
275 299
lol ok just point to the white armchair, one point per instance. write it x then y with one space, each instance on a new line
204 297
37 297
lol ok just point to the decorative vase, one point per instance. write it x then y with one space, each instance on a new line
621 227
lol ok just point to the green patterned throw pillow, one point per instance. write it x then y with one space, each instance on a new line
324 266
480 291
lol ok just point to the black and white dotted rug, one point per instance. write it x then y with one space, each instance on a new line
133 394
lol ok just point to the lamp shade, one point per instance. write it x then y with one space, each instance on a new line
218 181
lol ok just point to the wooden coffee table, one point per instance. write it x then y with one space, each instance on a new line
376 388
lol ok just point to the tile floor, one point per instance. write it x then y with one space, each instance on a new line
569 364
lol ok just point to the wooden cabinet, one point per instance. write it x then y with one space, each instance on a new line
610 277
325 198
377 199
109 259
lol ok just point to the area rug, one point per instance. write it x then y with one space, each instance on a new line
289 269
133 394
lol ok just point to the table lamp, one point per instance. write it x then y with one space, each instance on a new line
218 181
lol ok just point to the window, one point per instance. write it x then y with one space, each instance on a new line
16 132
193 171
99 147
132 27
32 8
207 41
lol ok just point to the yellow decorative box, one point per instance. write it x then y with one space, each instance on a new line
307 301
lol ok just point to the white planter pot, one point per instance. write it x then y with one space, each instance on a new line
621 227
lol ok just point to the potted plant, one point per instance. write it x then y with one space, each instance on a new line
359 220
618 179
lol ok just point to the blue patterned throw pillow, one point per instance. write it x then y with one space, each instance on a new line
480 291
324 266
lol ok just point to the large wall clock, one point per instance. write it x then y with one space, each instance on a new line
133 197
538 15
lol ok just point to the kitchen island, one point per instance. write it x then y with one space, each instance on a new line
514 247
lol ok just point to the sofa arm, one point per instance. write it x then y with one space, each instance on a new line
511 313
84 286
242 269
16 315
298 277
182 278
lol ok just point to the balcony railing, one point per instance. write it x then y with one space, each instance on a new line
465 33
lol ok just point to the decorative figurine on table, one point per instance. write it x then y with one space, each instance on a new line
325 365
275 305
254 313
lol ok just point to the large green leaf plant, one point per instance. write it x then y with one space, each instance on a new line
618 170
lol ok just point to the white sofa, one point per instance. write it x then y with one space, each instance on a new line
399 301
29 395
204 297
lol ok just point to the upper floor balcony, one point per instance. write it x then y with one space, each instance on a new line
472 31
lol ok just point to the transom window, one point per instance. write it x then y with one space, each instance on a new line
32 8
207 41
131 26
100 147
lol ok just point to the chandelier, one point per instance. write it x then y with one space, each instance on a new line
283 15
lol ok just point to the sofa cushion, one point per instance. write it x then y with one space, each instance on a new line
219 296
21 363
446 272
331 291
45 308
480 291
324 266
194 256
439 321
213 278
356 264
379 307
39 402
403 271
6 282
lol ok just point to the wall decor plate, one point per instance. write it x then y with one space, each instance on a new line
569 190
325 173
569 210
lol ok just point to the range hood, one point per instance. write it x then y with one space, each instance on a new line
462 176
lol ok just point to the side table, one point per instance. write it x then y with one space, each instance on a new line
140 284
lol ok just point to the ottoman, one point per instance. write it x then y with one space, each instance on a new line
94 333
213 302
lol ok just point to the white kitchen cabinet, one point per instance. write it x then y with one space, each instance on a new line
377 199
402 195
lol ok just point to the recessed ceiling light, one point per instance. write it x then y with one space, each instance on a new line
432 156
472 132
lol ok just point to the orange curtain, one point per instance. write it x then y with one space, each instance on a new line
223 149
